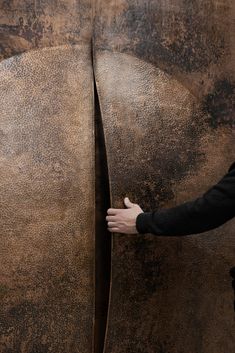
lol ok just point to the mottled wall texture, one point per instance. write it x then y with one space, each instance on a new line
99 100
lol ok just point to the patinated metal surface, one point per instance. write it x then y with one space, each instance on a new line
47 180
47 201
165 81
165 78
30 24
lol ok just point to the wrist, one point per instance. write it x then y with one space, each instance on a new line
139 223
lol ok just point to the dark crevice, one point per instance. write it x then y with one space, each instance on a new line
232 274
103 237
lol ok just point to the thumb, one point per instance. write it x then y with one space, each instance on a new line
128 203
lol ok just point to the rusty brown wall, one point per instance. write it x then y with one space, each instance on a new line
47 181
165 77
164 71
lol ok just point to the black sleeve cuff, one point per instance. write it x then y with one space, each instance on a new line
156 222
142 221
212 209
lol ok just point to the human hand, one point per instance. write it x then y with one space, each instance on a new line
123 220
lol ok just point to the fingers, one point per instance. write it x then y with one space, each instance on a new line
114 211
128 203
111 218
113 230
112 224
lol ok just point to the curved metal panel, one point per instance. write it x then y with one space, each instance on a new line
47 201
165 81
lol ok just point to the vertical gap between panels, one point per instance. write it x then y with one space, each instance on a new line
102 236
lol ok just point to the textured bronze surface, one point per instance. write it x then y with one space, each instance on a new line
30 24
47 205
166 87
165 77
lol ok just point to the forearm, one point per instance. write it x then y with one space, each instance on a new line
182 220
211 210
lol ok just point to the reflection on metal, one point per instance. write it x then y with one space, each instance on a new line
165 79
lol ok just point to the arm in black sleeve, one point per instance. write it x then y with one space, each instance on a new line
209 211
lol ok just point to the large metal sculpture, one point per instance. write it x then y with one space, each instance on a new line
165 83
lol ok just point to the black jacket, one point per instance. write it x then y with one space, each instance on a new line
209 211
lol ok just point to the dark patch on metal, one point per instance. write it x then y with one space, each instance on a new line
148 277
30 29
26 25
180 35
220 104
188 40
